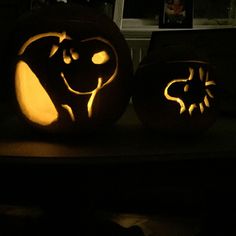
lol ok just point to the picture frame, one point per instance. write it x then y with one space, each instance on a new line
176 14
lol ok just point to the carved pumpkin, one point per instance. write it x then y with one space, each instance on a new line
175 92
72 68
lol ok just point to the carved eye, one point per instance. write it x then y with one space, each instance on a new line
100 58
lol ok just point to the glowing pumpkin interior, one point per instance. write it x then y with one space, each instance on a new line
74 72
175 96
190 99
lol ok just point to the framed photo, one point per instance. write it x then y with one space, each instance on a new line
176 14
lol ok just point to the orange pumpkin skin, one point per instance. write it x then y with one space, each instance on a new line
175 93
81 63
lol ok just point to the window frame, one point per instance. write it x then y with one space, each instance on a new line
138 24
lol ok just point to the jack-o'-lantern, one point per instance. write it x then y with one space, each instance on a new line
72 68
175 93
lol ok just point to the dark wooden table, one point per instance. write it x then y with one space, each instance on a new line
123 169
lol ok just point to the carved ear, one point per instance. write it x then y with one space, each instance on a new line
45 46
33 99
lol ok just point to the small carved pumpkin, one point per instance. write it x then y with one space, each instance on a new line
175 93
72 69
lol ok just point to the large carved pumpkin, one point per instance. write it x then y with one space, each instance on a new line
72 68
175 91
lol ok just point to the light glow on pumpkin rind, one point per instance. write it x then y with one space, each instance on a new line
192 106
34 101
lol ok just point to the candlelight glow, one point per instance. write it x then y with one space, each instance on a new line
34 101
32 97
100 58
204 78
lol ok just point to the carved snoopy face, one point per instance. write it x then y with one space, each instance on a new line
85 65
191 87
45 84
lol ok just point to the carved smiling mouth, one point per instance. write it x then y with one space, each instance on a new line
90 101
77 92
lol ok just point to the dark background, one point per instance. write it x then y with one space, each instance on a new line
172 178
